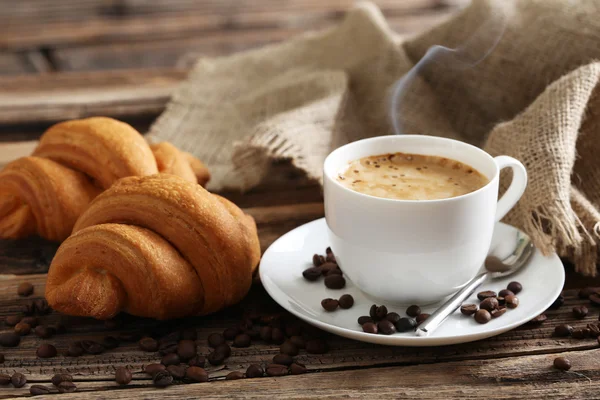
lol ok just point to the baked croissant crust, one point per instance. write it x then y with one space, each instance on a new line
74 161
155 246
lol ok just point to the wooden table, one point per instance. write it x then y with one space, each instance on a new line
73 58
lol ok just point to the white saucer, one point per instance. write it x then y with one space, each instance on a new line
281 274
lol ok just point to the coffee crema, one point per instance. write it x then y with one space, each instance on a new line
404 176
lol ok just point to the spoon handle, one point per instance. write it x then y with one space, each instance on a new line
436 319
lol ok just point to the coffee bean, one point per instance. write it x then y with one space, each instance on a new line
152 369
312 274
373 312
22 329
483 316
162 379
196 374
421 318
328 251
41 307
316 346
13 320
335 281
289 348
328 268
504 293
335 271
498 312
581 333
489 304
595 299
413 311
189 334
594 330
514 287
177 371
369 327
58 378
277 336
37 390
186 349
318 260
223 349
110 342
170 359
563 330
91 347
254 371
330 258
216 358
346 301
242 340
29 308
501 300
562 363
167 348
231 333
406 324
558 302
386 327
283 359
298 341
485 294
31 321
67 387
585 293
198 361
277 370
330 304
25 289
297 369
4 379
148 344
18 380
234 375
215 339
46 351
393 317
580 312
172 337
9 339
538 320
74 350
364 319
468 309
512 301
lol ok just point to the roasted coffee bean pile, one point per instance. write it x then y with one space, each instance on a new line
380 321
493 305
346 301
327 267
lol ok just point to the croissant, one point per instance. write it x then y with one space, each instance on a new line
74 161
155 246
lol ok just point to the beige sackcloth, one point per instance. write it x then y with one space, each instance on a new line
531 95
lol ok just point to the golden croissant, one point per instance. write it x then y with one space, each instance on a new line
155 246
75 160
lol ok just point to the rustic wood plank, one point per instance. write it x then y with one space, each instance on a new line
28 62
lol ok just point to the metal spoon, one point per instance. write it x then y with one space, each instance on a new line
493 268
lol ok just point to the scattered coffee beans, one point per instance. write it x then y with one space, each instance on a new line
234 376
43 331
198 361
580 312
148 344
413 311
151 369
318 260
489 304
25 289
91 347
18 380
330 304
74 350
594 330
483 316
266 333
46 351
186 349
37 390
22 329
297 369
223 349
289 348
563 330
316 346
110 342
560 300
196 374
512 301
498 312
4 379
468 309
346 301
177 371
283 359
581 333
369 327
335 281
562 363
277 370
595 299
9 339
504 293
231 333
386 327
162 379
421 318
67 387
330 268
254 371
170 359
364 319
515 287
585 293
215 339
393 317
485 294
59 378
242 340
41 306
216 358
13 320
298 341
538 320
406 324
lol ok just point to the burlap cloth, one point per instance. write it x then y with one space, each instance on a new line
533 97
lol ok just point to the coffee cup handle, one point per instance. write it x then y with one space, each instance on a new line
516 188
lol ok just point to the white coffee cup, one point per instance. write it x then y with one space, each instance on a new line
415 251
